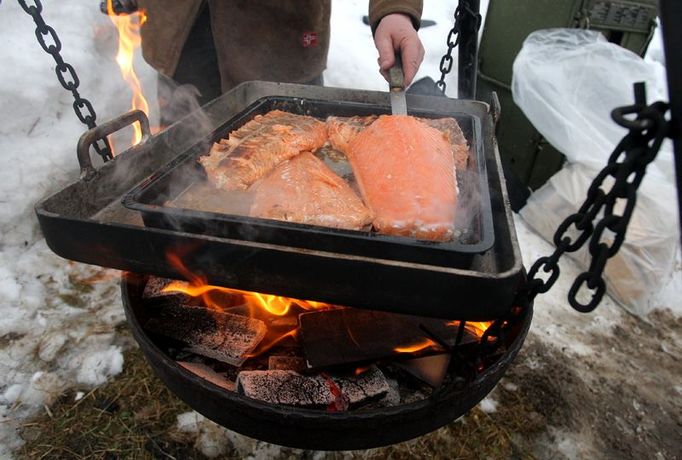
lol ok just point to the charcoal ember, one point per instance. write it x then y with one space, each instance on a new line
153 290
392 397
207 373
293 389
286 363
222 336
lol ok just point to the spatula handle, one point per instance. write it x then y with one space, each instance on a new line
395 75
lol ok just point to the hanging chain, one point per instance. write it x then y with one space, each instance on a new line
447 60
66 74
623 173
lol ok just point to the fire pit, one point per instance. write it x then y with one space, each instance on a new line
470 376
87 222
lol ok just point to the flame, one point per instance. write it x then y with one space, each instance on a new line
272 304
259 305
129 40
427 343
476 328
271 341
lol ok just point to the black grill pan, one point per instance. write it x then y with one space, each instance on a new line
473 224
86 222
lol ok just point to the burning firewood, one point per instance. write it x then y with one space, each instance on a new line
286 363
293 389
154 290
221 336
429 369
349 336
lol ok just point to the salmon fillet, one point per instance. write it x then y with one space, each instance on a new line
458 143
406 173
259 146
342 130
304 190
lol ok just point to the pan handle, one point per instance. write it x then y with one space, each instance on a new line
105 129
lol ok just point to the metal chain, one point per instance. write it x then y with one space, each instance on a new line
624 172
447 60
66 74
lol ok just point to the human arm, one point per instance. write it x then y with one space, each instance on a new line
394 24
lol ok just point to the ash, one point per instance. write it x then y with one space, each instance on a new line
62 325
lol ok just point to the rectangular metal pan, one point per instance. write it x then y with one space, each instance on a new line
86 222
473 224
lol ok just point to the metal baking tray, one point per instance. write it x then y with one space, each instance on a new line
86 222
473 222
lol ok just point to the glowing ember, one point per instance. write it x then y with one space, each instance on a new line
361 370
426 344
128 27
476 328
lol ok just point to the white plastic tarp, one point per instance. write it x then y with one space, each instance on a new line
567 81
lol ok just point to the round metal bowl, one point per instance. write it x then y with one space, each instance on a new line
307 428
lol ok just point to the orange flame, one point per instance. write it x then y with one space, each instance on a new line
476 328
273 304
262 306
198 287
427 343
271 342
129 40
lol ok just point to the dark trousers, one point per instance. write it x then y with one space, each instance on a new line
196 80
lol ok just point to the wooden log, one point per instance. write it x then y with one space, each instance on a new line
222 336
293 389
286 363
153 290
429 369
352 336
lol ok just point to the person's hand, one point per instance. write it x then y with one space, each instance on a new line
395 33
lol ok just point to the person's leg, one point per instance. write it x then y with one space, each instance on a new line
196 80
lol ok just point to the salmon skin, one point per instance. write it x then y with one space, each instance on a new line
406 173
255 149
304 190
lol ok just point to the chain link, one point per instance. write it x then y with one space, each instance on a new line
66 74
447 60
625 169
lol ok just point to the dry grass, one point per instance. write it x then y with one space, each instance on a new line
132 416
129 417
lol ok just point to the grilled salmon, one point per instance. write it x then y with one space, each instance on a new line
406 173
255 149
342 130
304 190
458 143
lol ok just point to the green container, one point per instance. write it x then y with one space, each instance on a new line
508 22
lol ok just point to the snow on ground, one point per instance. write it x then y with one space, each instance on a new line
58 319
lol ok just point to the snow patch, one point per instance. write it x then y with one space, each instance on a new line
99 366
488 405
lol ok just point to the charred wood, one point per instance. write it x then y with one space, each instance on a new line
293 389
221 336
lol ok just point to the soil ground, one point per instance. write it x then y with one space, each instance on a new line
621 401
